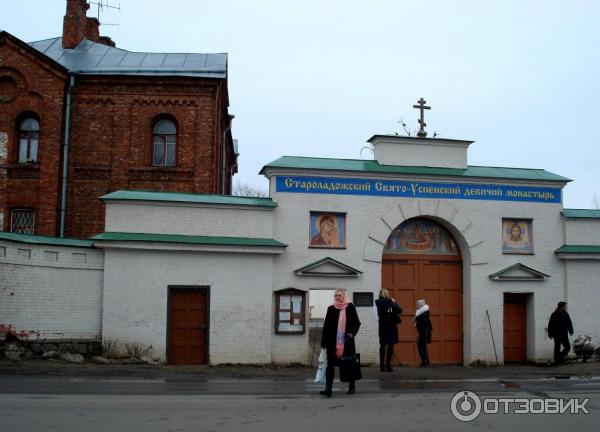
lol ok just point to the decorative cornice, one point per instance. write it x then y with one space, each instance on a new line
165 102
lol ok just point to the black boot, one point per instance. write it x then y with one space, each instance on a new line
327 392
381 356
329 375
388 358
351 387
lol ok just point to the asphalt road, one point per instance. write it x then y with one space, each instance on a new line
93 404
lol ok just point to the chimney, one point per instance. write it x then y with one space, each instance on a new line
74 23
92 29
77 26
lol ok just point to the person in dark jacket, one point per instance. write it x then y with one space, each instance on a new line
339 330
388 312
424 328
559 329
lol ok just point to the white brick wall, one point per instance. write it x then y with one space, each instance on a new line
582 231
189 219
584 297
411 151
47 292
241 311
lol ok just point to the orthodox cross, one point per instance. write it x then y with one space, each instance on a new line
422 107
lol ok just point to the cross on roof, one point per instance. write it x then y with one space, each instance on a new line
422 107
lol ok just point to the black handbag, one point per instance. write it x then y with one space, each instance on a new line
350 368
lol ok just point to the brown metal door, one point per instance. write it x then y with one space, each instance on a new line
188 319
515 328
439 282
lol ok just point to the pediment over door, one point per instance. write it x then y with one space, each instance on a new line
328 267
519 272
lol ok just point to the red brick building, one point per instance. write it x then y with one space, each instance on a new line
80 118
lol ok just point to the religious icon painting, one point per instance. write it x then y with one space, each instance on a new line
517 236
327 230
420 236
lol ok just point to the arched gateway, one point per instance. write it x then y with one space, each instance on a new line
421 260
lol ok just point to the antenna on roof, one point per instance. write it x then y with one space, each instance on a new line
103 5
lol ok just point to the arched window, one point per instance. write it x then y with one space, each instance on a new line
165 138
29 137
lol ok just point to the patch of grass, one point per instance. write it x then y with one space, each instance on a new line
137 350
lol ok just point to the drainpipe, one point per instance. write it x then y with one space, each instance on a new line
224 153
63 197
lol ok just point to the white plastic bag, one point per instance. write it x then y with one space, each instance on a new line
320 376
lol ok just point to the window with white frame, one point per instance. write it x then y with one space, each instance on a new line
165 139
29 137
22 221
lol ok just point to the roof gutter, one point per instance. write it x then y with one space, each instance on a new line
63 195
224 153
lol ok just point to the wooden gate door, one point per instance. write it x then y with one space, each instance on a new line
439 281
515 327
187 331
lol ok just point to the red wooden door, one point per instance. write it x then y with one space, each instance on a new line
439 281
515 328
187 332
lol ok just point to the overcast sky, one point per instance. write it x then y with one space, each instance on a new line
318 78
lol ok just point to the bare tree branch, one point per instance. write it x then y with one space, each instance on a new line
249 190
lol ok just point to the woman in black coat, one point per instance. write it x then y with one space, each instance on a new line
388 312
424 328
339 330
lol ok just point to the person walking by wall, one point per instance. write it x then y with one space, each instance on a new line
388 312
424 328
559 329
339 330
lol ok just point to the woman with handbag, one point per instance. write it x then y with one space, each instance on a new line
388 314
339 330
424 328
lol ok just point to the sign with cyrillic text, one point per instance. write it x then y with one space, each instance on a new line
410 189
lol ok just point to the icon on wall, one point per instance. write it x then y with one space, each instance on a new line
327 230
517 236
419 236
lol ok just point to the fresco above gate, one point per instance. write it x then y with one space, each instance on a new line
420 237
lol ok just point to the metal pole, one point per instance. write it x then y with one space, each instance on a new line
492 333
63 198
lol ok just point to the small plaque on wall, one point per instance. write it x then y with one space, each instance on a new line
364 299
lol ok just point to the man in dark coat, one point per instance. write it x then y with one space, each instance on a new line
329 338
559 329
388 312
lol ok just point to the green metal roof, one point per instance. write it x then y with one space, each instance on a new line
139 195
34 239
360 165
579 249
581 213
173 238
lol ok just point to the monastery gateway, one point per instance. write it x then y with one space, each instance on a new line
220 279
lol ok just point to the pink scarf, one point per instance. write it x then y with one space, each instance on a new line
340 339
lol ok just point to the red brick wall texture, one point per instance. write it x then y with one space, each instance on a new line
110 145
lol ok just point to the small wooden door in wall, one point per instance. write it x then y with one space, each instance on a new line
188 326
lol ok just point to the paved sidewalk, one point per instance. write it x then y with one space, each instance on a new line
301 373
